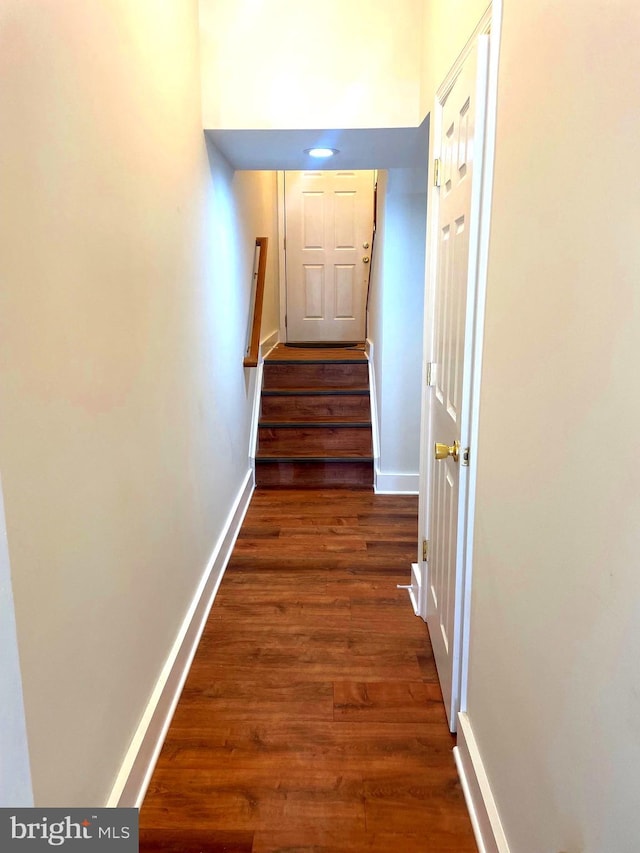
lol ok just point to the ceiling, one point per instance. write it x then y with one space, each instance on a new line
362 148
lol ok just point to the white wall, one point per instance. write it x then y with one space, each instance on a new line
285 64
556 615
554 679
395 320
126 253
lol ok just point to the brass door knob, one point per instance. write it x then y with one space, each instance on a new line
365 260
442 451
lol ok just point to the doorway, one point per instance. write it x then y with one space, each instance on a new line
328 222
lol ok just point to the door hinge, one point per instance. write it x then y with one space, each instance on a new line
464 456
425 550
285 319
436 172
431 373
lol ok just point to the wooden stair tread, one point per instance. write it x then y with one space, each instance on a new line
316 423
301 456
292 355
309 391
315 361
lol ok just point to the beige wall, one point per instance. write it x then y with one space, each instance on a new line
125 261
554 678
447 26
286 64
265 204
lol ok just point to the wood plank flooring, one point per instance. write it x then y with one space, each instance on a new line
312 719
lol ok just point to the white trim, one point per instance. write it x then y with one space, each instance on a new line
15 779
140 760
255 415
395 484
414 588
485 819
492 22
414 603
265 348
282 257
373 401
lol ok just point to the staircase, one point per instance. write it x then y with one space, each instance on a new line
315 419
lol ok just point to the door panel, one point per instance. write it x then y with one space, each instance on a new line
346 287
328 219
313 229
313 290
461 141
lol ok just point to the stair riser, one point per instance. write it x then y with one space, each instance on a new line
319 441
314 474
315 375
306 408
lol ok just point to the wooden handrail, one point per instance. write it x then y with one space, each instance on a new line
251 358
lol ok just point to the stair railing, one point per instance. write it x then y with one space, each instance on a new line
255 307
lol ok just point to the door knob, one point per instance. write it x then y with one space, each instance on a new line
365 260
442 451
365 245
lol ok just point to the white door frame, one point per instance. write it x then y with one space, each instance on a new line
490 23
282 258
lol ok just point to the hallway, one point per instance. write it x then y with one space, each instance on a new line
312 718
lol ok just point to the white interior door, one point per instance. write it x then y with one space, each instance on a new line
329 225
461 137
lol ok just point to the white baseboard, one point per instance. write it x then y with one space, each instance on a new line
268 344
140 760
265 348
483 812
395 484
414 589
255 414
375 429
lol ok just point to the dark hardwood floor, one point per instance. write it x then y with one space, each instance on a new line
312 719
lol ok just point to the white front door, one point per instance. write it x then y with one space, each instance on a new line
461 138
329 225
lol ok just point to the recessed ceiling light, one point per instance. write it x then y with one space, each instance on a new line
321 152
